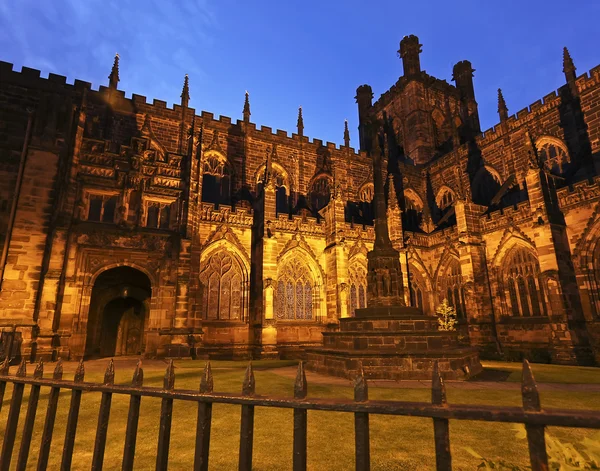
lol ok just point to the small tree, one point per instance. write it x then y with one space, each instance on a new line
447 316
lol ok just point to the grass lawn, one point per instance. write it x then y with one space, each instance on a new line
548 373
396 442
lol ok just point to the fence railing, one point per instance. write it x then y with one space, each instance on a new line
531 415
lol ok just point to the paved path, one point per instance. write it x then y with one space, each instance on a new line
129 363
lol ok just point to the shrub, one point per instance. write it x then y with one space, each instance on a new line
447 316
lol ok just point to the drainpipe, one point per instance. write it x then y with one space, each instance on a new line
16 195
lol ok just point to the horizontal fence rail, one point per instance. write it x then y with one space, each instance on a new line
531 415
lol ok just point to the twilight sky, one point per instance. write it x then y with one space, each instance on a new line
312 53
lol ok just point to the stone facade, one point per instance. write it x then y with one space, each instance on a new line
175 232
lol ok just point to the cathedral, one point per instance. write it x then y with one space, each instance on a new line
134 228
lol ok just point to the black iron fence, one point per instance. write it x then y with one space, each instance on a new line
531 414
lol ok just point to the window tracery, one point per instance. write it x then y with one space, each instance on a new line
452 288
445 198
416 292
357 277
320 193
366 193
553 154
221 287
412 211
294 293
521 283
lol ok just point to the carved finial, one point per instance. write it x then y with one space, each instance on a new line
502 108
246 111
39 370
109 374
58 370
568 66
249 385
346 134
529 391
438 389
79 372
206 382
185 93
170 376
300 122
361 390
22 371
300 386
113 78
138 375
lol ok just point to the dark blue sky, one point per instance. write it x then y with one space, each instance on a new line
310 53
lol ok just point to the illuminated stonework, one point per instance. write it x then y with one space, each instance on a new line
161 229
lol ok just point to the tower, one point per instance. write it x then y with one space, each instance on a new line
409 53
364 99
463 78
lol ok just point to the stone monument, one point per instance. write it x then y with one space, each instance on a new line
388 339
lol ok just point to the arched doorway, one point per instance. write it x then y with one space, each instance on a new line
119 310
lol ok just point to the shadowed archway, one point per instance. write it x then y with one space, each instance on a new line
118 313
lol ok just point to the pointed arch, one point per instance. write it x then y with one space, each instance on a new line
357 281
217 173
449 283
485 185
445 197
511 237
520 283
298 287
586 258
420 285
366 192
281 176
412 196
553 153
224 280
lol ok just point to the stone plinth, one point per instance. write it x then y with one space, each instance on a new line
392 343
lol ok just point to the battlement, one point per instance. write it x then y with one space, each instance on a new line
518 214
586 190
584 82
31 78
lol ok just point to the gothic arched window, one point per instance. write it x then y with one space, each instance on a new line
412 212
444 198
485 186
553 154
216 180
416 292
452 288
282 187
521 283
294 292
221 282
320 193
357 278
